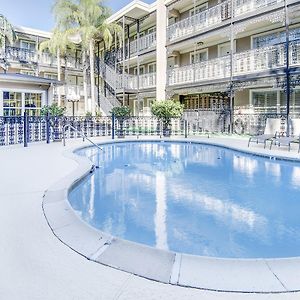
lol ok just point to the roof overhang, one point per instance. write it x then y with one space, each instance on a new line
32 31
135 9
28 79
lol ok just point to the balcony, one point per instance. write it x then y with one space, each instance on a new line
245 6
212 69
145 42
267 59
145 81
259 60
24 56
215 16
21 55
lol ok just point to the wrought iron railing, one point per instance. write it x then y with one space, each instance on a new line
19 130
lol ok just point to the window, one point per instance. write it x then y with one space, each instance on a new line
33 103
268 100
50 76
151 30
15 103
12 104
198 56
274 38
142 70
28 45
152 68
197 9
27 72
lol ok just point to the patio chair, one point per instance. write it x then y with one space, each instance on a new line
288 140
273 127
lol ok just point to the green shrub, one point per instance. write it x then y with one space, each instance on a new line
121 111
166 110
53 110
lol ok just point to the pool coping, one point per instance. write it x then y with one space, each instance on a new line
277 275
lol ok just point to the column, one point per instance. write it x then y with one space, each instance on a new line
161 53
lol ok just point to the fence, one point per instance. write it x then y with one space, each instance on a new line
24 130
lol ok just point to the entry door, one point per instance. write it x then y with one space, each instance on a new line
224 49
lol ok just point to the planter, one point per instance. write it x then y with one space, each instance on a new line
120 133
167 132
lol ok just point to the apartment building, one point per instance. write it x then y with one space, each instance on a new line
210 54
28 90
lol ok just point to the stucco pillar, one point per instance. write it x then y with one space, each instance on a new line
161 54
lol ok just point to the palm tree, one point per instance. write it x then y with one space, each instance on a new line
7 34
87 20
58 45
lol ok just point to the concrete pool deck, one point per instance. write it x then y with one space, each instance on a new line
36 265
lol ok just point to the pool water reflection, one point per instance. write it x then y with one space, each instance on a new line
193 198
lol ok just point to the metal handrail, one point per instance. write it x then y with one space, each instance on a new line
82 135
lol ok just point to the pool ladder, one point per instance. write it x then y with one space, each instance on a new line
84 137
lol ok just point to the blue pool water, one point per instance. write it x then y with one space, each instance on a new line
193 198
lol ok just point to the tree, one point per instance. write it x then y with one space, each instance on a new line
165 111
7 34
58 46
86 19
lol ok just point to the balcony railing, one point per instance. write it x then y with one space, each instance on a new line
203 19
28 56
211 69
249 62
21 55
147 80
214 16
145 42
245 6
259 60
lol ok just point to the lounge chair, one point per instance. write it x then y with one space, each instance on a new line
273 127
288 140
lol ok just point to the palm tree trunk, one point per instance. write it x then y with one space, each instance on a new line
92 74
84 70
58 77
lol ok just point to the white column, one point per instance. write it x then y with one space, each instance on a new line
161 53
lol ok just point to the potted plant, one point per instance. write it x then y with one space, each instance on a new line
54 112
121 113
165 111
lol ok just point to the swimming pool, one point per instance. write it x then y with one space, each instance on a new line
193 198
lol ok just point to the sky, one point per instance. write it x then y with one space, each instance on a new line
37 13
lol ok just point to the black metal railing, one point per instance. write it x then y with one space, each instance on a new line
25 129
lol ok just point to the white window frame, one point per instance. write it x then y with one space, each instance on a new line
152 64
264 34
27 42
151 30
264 90
191 11
50 74
198 51
27 72
135 70
23 92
